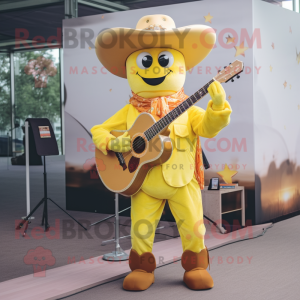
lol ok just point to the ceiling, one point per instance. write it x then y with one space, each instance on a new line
30 18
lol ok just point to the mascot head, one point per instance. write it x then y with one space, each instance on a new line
155 56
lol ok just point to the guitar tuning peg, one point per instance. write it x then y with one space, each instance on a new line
225 67
238 76
232 80
230 63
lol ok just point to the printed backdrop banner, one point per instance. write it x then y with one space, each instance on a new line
92 94
276 105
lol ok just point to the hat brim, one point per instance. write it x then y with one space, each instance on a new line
113 46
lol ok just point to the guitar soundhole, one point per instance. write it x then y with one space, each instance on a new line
139 145
133 164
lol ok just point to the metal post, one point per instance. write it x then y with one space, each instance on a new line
27 170
118 254
71 9
296 4
7 150
117 235
62 101
12 96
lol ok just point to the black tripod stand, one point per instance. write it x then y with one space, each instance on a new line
45 199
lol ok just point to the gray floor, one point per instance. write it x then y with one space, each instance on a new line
273 272
71 243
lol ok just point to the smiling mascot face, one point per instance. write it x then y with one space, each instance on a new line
155 72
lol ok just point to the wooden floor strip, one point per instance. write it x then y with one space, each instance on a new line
73 278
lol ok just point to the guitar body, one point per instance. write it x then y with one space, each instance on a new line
143 156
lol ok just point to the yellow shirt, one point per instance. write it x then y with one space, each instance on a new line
179 169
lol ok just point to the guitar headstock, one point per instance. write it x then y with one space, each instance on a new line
229 72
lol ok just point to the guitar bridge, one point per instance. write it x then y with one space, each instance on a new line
121 160
133 164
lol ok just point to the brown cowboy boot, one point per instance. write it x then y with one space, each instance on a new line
195 264
142 275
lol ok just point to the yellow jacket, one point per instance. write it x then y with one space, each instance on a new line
178 171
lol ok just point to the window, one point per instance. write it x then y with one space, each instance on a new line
288 4
37 89
5 105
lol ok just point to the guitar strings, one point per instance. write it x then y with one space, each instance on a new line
201 93
172 112
139 142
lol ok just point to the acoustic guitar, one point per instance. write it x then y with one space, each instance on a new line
124 173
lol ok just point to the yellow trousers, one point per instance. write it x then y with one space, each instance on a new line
186 206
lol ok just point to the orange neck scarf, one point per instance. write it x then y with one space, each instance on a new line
160 106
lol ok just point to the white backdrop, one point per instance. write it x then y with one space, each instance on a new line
277 111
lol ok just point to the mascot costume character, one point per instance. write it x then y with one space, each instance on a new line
154 57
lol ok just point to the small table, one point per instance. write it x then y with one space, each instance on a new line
218 205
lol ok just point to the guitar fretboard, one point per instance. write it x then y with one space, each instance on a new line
165 121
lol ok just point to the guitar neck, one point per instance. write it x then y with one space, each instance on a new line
165 121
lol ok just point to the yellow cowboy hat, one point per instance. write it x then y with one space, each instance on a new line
113 46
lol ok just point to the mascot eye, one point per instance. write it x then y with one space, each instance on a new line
166 59
144 60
